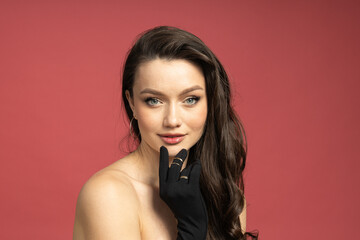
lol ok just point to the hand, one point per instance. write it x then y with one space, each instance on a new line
181 192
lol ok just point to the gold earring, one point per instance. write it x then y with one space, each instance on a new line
130 128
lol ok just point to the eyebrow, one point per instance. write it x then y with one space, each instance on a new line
187 90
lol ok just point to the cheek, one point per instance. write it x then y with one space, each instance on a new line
196 120
147 120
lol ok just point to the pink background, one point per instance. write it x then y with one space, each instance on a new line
294 69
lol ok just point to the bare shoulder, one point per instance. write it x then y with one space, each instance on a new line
243 217
107 208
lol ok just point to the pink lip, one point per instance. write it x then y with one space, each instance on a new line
172 138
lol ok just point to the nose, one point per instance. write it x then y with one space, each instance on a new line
172 117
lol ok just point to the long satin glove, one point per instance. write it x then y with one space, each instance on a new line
181 192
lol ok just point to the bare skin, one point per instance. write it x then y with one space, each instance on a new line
114 204
117 203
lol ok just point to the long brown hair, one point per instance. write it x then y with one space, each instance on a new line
222 147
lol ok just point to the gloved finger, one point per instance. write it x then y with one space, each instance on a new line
194 176
164 164
184 175
174 170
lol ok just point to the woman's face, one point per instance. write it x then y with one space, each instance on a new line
169 103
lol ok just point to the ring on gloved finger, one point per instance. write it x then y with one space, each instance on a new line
178 159
176 164
184 177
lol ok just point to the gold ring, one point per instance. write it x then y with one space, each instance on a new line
184 177
176 164
179 159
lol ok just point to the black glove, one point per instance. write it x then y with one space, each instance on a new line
181 192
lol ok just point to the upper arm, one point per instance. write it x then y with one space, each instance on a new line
243 217
106 210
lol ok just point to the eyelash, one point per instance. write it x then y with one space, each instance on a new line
196 99
147 100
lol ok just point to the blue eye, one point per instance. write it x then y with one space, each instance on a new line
152 101
192 100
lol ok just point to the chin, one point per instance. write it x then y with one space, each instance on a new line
175 149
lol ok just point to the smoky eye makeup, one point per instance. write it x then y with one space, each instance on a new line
152 101
192 100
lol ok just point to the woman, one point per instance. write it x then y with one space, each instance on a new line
184 180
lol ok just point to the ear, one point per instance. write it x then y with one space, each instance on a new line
131 102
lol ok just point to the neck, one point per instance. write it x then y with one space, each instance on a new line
147 160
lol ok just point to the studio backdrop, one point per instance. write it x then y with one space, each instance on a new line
294 72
